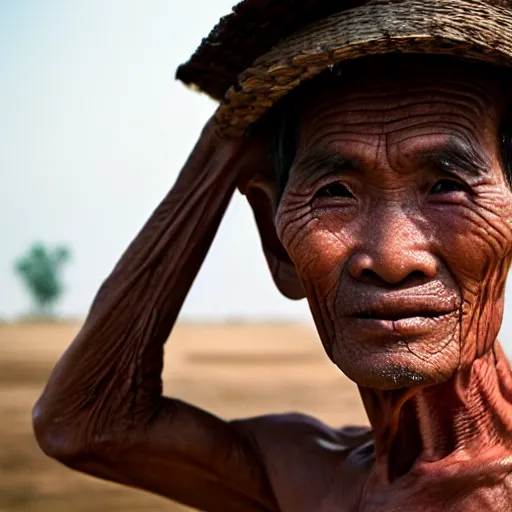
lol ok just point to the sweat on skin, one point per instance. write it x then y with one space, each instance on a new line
395 223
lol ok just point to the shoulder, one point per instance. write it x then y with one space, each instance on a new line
290 427
301 452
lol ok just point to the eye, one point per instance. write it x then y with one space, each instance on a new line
446 186
335 190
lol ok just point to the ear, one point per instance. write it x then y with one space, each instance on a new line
260 191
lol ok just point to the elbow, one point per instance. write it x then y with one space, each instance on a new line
57 438
67 443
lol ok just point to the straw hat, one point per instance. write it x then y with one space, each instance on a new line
266 48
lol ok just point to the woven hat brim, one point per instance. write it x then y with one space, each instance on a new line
469 29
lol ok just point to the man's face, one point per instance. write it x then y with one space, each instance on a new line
397 216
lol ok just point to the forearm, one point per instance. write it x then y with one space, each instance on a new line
111 372
102 411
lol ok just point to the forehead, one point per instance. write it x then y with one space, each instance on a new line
396 96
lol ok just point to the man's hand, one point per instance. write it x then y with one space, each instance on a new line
102 411
236 160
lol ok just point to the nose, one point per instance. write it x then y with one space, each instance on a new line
393 253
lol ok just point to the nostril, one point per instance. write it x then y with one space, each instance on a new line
415 278
360 266
368 276
393 268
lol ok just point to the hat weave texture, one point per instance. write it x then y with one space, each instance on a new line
469 29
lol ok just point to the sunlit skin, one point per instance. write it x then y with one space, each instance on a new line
397 208
396 224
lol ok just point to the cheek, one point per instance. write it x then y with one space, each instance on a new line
319 253
319 256
476 244
318 249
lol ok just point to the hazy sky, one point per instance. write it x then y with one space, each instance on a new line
93 130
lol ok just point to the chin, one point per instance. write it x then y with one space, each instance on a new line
398 361
389 373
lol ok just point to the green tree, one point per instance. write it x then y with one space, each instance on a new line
41 270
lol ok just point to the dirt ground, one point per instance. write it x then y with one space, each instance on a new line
233 370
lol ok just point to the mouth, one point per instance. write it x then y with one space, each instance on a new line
401 321
396 316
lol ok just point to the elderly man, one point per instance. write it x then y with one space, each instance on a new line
387 203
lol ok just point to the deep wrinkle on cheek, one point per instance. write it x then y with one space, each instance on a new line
316 250
292 216
480 232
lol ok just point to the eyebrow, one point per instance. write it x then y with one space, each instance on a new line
321 160
457 155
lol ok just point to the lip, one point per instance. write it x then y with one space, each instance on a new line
372 312
414 325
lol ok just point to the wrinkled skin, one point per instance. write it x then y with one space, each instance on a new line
396 225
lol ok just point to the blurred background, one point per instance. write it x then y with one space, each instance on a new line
93 131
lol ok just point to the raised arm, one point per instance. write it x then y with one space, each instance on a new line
102 411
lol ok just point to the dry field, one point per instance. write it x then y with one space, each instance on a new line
232 370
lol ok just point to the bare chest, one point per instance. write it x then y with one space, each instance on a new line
453 495
322 471
356 492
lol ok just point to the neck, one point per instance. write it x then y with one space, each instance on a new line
469 414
